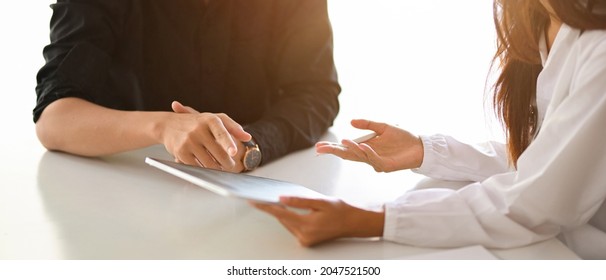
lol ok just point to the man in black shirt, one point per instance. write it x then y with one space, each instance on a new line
115 69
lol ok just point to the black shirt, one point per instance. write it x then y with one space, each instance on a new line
268 64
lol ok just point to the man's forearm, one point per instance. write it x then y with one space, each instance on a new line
77 126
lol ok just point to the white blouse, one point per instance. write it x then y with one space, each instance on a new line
559 187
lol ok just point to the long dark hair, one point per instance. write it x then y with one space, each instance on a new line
519 25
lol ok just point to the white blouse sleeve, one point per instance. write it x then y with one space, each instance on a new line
559 185
446 158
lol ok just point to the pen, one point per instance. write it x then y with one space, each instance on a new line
358 140
365 138
362 139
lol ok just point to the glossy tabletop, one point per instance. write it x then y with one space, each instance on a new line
59 206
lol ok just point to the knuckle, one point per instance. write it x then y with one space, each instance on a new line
214 120
189 135
179 148
188 140
220 134
202 116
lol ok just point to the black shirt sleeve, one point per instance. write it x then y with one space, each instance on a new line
306 101
140 55
82 40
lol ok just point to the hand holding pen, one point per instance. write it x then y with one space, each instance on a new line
388 148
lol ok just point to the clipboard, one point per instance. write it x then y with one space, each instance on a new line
249 187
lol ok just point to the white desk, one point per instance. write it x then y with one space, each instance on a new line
59 206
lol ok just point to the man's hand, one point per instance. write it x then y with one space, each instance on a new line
206 139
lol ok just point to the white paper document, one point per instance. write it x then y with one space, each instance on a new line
235 184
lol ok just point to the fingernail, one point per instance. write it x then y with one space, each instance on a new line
231 151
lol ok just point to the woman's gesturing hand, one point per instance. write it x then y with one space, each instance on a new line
392 149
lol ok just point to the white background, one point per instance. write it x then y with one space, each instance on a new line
420 64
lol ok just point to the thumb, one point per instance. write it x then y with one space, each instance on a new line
377 127
235 129
180 108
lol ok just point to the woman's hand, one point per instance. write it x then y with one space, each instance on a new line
392 149
325 219
206 139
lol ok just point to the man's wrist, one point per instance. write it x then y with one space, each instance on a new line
156 124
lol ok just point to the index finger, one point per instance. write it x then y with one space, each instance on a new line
222 129
235 129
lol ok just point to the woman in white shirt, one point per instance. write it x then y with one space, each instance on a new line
548 180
